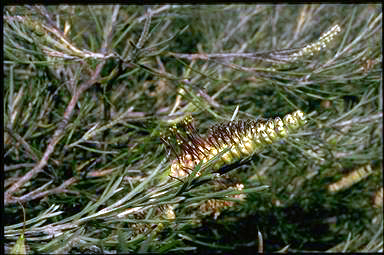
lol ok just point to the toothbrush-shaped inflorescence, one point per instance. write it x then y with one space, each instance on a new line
351 178
322 43
242 137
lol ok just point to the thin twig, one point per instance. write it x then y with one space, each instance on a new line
15 167
360 120
37 194
22 141
55 138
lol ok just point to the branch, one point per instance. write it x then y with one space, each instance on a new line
55 138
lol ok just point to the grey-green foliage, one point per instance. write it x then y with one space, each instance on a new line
117 195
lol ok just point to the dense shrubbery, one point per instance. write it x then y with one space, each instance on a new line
90 91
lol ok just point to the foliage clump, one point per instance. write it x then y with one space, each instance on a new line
90 90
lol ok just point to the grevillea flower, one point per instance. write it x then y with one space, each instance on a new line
242 138
351 178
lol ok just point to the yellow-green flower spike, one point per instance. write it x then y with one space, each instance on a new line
351 178
322 43
243 138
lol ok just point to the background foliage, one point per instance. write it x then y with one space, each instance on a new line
89 91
